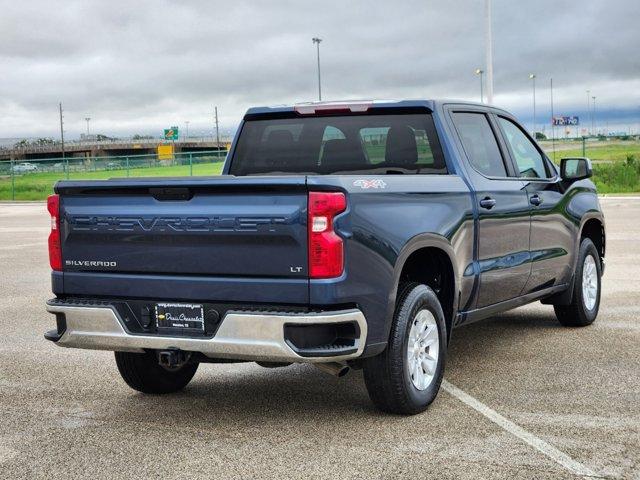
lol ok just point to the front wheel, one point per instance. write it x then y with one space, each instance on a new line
143 372
585 302
406 377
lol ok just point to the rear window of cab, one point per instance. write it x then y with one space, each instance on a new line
341 144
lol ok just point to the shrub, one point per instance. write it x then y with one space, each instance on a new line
540 136
618 177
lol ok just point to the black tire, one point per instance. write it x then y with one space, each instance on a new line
142 372
576 314
387 375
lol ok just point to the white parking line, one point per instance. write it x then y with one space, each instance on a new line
618 197
550 451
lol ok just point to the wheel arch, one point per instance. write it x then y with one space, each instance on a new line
435 251
593 228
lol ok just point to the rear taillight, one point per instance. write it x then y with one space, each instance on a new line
55 251
326 258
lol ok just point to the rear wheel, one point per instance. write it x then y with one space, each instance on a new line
143 372
406 377
585 302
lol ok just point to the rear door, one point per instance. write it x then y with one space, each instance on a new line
503 206
552 233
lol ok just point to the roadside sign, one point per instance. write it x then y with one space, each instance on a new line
560 121
165 152
171 133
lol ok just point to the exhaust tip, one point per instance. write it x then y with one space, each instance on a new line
334 368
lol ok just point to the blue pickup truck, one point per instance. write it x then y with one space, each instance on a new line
347 235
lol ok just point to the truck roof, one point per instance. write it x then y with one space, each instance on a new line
356 105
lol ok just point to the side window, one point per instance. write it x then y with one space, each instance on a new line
374 140
529 160
480 143
382 144
425 154
330 133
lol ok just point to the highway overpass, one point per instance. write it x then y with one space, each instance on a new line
106 148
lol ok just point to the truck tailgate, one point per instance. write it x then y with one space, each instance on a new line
219 226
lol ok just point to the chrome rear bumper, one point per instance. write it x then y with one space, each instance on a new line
241 335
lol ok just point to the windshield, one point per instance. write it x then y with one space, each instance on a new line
350 144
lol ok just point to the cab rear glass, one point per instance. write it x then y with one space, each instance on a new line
401 143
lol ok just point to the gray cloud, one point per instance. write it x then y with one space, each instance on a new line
140 66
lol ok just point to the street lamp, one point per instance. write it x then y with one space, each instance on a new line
317 41
488 50
532 76
186 122
593 119
479 72
87 120
589 118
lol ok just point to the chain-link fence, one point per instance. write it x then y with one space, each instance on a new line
33 179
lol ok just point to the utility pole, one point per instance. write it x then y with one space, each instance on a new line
489 51
593 118
317 41
589 119
532 76
61 130
553 125
479 72
217 132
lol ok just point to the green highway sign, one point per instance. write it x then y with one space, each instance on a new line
171 133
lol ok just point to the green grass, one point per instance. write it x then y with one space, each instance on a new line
618 177
596 151
36 186
616 170
616 164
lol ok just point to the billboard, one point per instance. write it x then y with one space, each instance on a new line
560 121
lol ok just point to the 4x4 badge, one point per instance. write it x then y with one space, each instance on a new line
366 184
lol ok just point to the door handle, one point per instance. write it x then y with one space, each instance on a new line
488 203
536 200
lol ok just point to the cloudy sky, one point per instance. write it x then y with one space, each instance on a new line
137 67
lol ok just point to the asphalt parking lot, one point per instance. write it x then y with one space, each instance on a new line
525 397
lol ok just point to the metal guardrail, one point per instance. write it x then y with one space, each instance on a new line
49 170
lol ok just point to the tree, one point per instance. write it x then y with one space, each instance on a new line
540 136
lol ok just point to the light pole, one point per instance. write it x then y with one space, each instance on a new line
593 119
317 41
553 123
61 131
215 112
186 122
87 120
589 118
532 76
488 50
480 72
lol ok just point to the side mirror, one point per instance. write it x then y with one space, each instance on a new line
572 169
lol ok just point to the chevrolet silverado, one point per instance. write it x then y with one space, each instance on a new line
347 235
